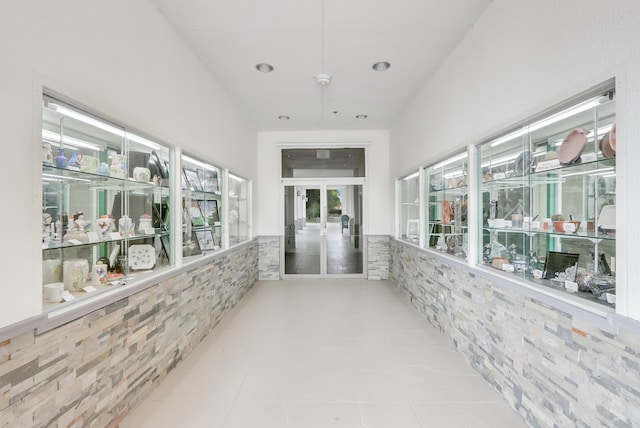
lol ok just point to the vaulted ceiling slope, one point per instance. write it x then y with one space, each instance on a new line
304 38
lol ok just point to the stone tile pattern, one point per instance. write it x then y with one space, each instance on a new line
269 258
93 371
377 257
554 369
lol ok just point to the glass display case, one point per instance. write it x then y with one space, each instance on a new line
238 214
408 189
105 204
447 196
201 205
548 197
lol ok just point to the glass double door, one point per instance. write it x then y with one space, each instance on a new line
323 230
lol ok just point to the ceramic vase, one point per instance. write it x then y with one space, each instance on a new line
126 226
74 161
75 273
61 159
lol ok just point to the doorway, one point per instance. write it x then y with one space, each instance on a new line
323 229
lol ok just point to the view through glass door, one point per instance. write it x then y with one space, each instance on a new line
323 230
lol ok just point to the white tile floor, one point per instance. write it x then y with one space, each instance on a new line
324 353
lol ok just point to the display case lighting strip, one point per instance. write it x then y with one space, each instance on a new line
104 126
235 177
451 160
143 141
193 161
87 119
69 141
564 114
410 176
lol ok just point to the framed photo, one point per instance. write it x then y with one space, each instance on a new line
191 247
557 262
185 183
196 215
205 239
161 216
164 240
413 229
209 180
209 210
193 180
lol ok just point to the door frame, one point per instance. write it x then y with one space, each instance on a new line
323 184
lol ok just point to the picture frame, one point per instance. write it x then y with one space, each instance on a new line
209 180
191 247
185 183
413 229
197 219
166 247
209 210
193 181
205 239
160 216
557 262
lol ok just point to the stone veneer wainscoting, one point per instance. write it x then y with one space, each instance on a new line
269 258
554 368
93 371
377 257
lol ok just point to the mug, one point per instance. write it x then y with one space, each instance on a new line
99 274
53 292
141 174
89 164
104 226
119 166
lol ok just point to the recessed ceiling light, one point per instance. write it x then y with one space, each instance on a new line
284 117
381 66
263 67
361 116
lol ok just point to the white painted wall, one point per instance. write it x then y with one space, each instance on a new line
120 58
524 56
268 188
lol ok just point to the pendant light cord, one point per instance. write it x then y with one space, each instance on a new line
322 65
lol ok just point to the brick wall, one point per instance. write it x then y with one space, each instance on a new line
93 371
556 369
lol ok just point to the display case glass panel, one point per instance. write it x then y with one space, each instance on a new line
447 197
104 201
201 205
548 199
409 215
238 214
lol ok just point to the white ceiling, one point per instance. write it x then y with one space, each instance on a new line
302 38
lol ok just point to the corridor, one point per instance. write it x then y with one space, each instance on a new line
319 354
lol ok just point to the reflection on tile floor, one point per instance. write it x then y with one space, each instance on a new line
344 254
324 353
